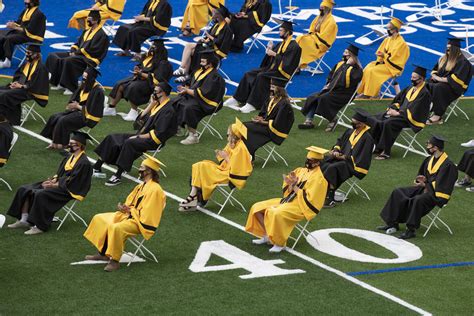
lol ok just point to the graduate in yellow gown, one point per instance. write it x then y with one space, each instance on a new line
234 167
109 9
392 56
141 214
197 15
304 192
322 34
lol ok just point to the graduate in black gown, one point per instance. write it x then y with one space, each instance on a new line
351 156
466 165
409 109
202 97
251 18
29 27
85 108
6 137
340 86
156 124
280 61
433 187
35 204
274 122
154 19
450 78
90 48
30 82
153 68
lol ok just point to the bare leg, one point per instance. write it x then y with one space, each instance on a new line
191 130
186 58
133 106
113 101
261 219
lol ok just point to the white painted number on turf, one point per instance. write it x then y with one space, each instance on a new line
240 259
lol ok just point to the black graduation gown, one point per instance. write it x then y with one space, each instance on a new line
409 204
34 27
6 137
458 81
358 158
414 109
66 69
280 119
131 36
35 77
222 40
138 91
60 125
342 83
258 15
466 164
44 203
119 150
209 89
254 87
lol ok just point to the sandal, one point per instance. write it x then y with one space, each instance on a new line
188 200
187 209
382 157
330 127
182 79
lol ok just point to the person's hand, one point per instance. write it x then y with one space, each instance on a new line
257 119
380 54
222 153
139 18
11 24
133 137
392 112
123 208
16 85
420 179
270 52
182 90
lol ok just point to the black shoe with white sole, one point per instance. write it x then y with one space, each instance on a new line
113 181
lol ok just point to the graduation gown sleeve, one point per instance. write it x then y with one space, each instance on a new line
259 16
33 24
115 8
93 109
460 77
361 156
313 192
327 34
160 18
76 181
37 84
418 110
222 39
240 165
94 49
396 53
163 71
164 126
281 123
290 60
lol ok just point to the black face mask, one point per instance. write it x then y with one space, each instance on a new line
72 149
309 165
156 96
414 82
428 150
389 32
354 125
29 57
345 58
447 51
284 35
141 174
89 23
28 5
321 12
272 92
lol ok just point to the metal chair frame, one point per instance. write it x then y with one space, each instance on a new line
435 219
140 248
29 110
227 192
271 154
70 213
13 142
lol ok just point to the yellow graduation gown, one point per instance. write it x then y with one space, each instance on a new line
197 14
111 10
315 44
147 202
280 216
207 174
396 53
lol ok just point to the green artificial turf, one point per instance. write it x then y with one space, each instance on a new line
36 275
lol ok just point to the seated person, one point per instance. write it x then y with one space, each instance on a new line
6 137
219 38
154 20
351 156
280 61
34 205
29 27
153 67
251 18
30 82
449 80
90 49
233 168
197 15
85 108
108 9
274 122
201 97
466 165
340 86
141 214
409 109
322 34
157 123
392 56
432 187
304 190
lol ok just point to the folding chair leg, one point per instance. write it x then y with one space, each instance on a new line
6 183
135 253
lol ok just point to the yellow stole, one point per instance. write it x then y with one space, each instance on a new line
433 169
29 69
71 162
354 138
200 74
28 13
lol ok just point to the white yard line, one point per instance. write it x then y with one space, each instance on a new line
289 250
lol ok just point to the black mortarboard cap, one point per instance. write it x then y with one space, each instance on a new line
420 70
33 47
223 11
438 141
360 115
80 137
95 14
286 24
166 87
210 55
455 41
157 39
353 48
277 81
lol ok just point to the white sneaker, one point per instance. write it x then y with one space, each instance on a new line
276 249
468 144
106 101
2 220
109 111
34 231
470 189
261 241
131 116
191 139
67 92
6 63
56 88
231 103
391 231
113 181
247 108
19 224
179 72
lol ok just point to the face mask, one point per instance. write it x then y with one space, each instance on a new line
89 23
447 51
429 151
283 36
141 174
28 5
321 12
345 58
354 125
156 96
389 32
29 57
272 92
414 82
72 149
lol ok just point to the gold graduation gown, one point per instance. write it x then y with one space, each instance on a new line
110 230
197 14
282 215
110 9
315 44
396 53
206 174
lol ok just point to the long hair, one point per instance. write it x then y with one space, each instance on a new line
451 59
155 176
160 52
250 3
280 93
356 58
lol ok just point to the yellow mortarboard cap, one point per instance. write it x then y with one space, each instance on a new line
239 129
316 152
152 163
396 22
327 3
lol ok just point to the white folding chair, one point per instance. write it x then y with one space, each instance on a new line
227 191
352 184
87 130
319 66
302 231
434 11
434 219
14 140
342 118
140 248
19 52
70 213
386 89
410 143
206 122
272 153
454 108
153 153
255 41
378 30
28 110
109 28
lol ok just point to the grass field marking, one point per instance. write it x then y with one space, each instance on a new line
291 251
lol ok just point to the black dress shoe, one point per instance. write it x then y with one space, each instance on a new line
408 234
